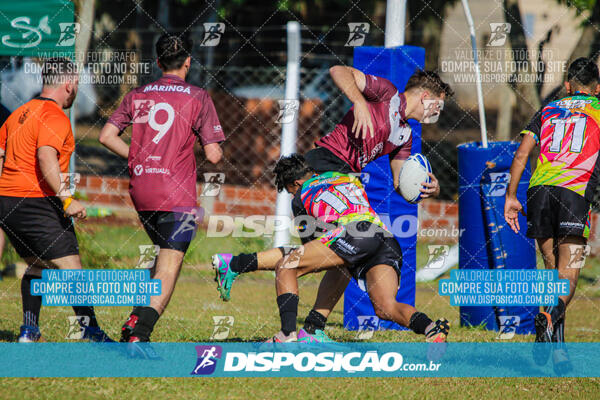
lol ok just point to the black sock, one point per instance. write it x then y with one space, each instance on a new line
31 304
315 320
419 322
147 318
244 263
556 312
288 312
558 335
86 311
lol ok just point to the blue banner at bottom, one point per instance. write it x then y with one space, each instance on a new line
299 360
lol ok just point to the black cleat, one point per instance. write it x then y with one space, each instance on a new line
561 362
543 335
141 349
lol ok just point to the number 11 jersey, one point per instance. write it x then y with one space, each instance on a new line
568 133
166 117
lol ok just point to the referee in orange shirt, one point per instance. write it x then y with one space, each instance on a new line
36 207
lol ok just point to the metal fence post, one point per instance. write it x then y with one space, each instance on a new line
289 130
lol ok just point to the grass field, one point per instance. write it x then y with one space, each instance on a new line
195 302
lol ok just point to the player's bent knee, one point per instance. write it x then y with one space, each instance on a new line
384 309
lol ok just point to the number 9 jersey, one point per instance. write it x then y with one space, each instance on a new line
166 117
568 133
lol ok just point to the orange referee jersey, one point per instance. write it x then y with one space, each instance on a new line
39 122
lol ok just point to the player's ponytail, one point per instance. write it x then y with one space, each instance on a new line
172 50
289 169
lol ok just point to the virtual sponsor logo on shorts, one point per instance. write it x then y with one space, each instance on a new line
571 225
347 247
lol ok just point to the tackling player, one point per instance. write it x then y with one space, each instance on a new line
36 207
167 115
354 238
376 126
562 187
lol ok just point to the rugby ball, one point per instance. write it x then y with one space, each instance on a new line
413 173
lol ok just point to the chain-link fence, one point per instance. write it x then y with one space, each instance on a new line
245 76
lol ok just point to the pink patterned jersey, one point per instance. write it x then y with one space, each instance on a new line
167 116
393 134
568 133
334 198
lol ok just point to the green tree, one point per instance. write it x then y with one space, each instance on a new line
425 22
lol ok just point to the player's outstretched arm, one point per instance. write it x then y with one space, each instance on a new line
512 206
352 82
109 137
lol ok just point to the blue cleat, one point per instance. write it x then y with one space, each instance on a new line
29 334
223 274
318 337
95 334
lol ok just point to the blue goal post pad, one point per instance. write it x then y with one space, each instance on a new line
397 64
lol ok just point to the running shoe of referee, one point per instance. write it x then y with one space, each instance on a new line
36 207
167 117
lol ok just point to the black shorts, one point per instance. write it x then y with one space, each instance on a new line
554 212
169 230
37 227
364 245
323 160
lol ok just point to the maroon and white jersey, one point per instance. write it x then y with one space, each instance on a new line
392 134
166 117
